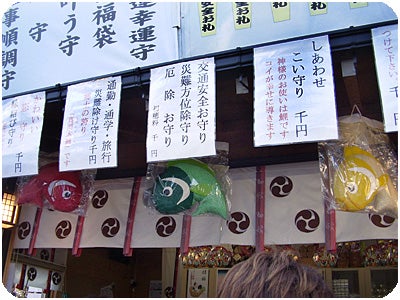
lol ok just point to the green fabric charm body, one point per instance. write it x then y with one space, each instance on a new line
186 182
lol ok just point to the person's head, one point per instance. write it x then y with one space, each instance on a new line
272 275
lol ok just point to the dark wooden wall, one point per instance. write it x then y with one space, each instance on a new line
100 267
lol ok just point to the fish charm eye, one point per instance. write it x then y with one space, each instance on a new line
352 187
66 194
167 191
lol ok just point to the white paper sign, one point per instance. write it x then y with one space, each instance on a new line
294 98
385 47
50 42
230 29
181 119
90 126
22 129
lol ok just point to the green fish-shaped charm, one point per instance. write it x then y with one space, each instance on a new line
185 182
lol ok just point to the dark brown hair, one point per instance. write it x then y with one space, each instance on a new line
273 275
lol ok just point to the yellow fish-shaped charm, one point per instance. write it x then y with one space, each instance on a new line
358 179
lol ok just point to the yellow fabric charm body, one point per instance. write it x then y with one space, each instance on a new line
358 179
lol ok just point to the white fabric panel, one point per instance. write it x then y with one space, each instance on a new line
17 273
25 226
299 193
152 229
107 214
9 283
205 230
351 226
40 277
240 228
56 229
57 281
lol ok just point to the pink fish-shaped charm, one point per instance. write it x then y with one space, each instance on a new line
62 190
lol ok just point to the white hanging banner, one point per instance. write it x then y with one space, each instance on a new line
90 126
385 48
74 41
35 281
56 229
294 99
294 214
205 230
354 226
107 214
294 208
26 222
22 129
181 119
152 229
240 229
